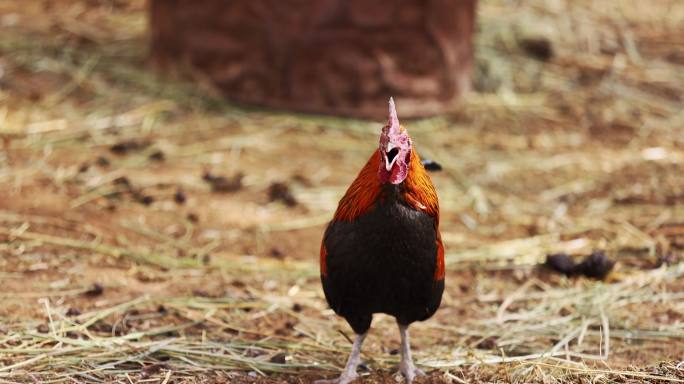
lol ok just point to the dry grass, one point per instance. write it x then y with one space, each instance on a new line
580 152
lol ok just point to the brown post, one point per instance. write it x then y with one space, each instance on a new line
344 57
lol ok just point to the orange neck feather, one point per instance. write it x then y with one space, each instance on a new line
420 193
365 190
362 193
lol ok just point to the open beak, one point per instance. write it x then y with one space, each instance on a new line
390 156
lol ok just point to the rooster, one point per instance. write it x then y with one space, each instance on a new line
382 251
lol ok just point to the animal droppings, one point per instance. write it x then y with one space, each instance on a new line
179 197
281 192
95 290
596 265
157 156
222 184
560 262
126 146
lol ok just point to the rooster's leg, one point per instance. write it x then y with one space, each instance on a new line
406 366
349 373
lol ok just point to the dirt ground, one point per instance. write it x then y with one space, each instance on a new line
152 232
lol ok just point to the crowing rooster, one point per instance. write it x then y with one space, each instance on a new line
382 251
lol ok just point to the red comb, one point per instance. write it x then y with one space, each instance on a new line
393 121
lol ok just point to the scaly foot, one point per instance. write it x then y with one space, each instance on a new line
349 373
409 371
345 378
406 366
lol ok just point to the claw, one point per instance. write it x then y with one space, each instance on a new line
345 378
410 372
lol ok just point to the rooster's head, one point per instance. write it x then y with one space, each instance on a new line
395 150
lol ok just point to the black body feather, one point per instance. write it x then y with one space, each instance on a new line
383 262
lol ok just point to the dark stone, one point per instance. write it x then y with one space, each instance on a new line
279 358
538 47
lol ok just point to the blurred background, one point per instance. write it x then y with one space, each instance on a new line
167 169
